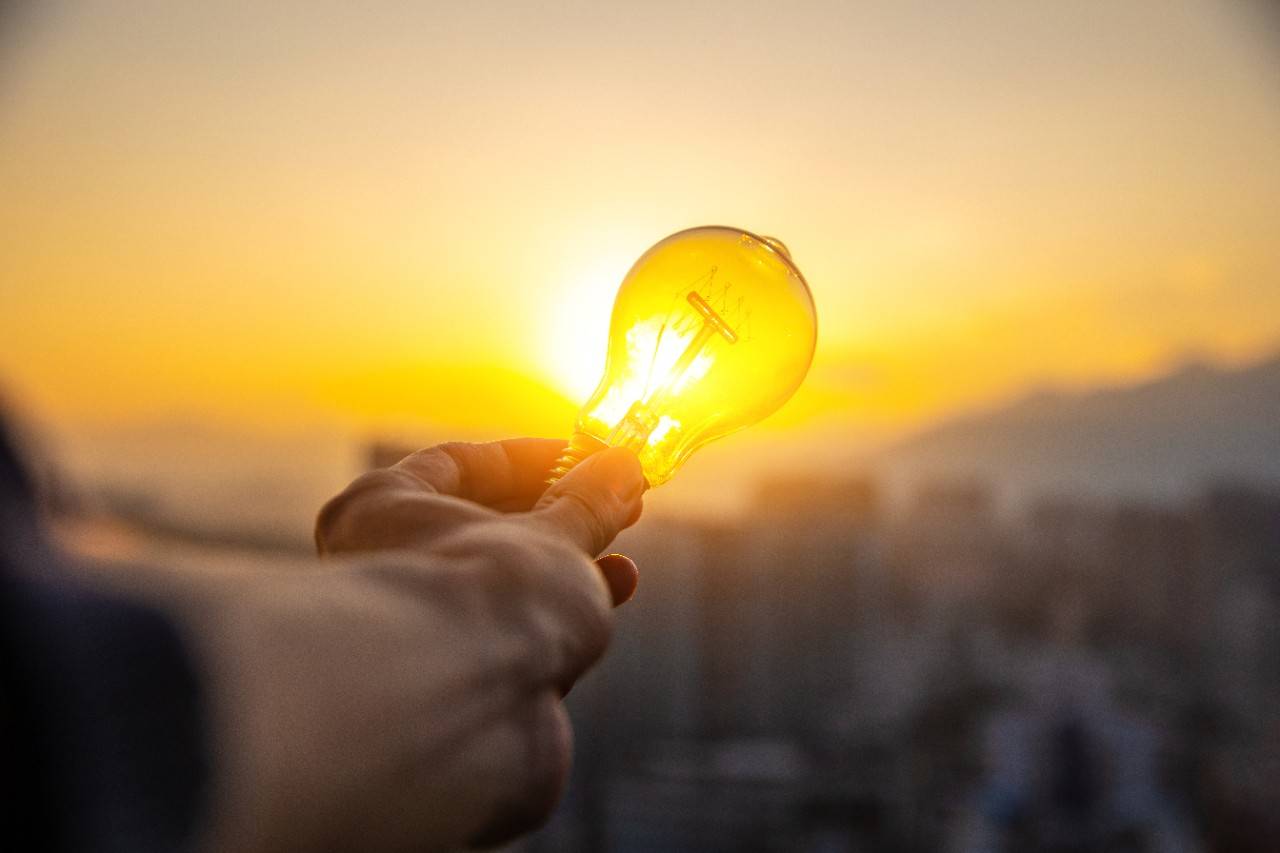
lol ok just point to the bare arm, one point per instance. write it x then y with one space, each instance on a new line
406 694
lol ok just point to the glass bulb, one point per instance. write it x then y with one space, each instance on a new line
713 329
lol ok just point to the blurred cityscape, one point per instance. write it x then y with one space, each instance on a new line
983 656
838 677
835 673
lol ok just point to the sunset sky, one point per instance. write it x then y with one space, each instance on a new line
271 215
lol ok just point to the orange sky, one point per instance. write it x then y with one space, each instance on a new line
293 213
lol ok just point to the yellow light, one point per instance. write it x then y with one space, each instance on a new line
572 336
713 329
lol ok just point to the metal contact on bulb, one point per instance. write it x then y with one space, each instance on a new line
778 246
579 447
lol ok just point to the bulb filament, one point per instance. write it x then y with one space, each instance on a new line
641 419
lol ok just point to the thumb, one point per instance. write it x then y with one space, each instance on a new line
594 501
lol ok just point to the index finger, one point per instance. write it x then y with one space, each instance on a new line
594 501
507 475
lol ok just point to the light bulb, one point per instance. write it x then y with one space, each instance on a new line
713 329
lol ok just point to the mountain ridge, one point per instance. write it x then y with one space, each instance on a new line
1162 439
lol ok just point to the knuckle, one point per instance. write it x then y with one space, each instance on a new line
505 568
586 514
339 522
334 517
536 778
456 449
579 589
597 627
462 455
500 562
524 571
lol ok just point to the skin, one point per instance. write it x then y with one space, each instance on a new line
433 491
406 695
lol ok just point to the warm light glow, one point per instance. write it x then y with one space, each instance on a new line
575 332
713 329
421 218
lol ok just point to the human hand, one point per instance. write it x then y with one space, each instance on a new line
438 492
408 694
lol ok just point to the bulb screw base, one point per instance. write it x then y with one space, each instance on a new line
579 447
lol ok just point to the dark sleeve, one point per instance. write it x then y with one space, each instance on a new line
101 741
